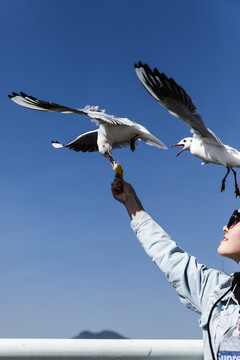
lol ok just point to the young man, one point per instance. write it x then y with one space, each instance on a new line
211 293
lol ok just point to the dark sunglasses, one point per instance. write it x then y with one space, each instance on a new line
234 219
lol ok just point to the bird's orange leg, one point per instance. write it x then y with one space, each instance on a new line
132 142
224 180
237 192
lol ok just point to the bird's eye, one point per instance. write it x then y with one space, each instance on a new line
184 140
105 153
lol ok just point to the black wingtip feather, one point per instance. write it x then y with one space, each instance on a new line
163 86
147 69
138 65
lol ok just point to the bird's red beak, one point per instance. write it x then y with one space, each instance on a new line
111 159
179 145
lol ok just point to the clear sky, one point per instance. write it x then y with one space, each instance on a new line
68 258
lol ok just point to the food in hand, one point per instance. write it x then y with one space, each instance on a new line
118 168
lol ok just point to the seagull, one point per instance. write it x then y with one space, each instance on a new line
204 144
113 132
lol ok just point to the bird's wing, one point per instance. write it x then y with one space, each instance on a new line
147 137
97 115
84 142
31 102
105 119
120 145
175 99
151 140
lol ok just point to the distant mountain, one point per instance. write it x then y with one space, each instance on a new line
105 334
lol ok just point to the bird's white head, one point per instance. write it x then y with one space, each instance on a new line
186 143
106 150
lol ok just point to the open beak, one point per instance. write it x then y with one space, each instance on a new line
111 159
179 145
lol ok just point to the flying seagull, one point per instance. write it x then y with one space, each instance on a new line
113 132
204 144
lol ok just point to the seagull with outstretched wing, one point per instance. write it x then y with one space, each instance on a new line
113 132
204 144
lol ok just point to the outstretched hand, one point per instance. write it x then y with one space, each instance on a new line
121 190
124 192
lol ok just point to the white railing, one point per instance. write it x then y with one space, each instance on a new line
65 349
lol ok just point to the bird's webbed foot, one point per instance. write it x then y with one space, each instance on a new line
132 142
237 191
223 185
224 180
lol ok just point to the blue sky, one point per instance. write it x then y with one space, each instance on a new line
68 258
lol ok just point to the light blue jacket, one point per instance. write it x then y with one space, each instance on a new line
197 286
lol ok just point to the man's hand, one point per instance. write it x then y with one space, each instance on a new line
124 192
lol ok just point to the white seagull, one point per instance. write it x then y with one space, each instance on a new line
113 132
204 144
